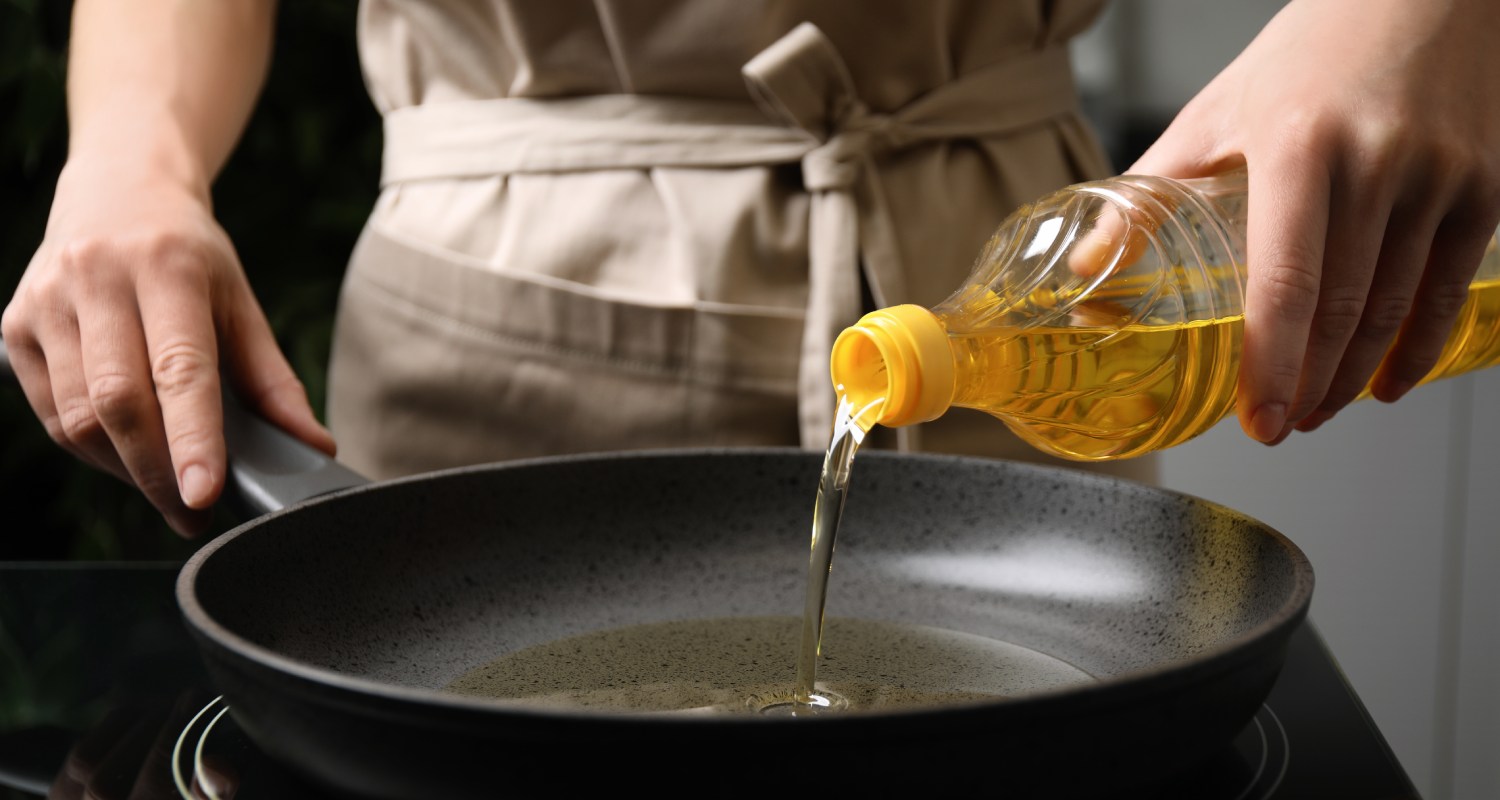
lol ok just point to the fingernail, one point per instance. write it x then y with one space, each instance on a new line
196 486
1268 421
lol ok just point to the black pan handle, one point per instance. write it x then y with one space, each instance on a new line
269 469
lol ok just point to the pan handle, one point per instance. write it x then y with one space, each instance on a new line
269 469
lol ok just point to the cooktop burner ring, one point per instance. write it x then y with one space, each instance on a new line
198 775
1275 753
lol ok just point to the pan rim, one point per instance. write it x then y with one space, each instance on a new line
1224 656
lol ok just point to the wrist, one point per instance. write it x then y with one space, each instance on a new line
134 145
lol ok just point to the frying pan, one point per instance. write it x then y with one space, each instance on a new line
332 624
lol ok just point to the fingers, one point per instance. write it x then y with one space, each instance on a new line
1372 189
79 425
117 349
1365 291
181 349
82 355
1424 265
1288 223
1113 243
120 393
30 367
1395 279
1117 240
120 397
116 331
47 359
1456 251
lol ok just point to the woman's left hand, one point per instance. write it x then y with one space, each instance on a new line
1371 131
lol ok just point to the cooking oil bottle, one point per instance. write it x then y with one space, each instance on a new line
1101 322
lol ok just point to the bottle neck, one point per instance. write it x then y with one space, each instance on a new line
898 355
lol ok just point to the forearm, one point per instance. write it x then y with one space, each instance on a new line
165 85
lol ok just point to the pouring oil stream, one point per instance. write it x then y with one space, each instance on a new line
849 428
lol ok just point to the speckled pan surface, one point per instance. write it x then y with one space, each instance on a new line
331 626
412 583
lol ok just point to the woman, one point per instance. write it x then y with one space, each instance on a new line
620 224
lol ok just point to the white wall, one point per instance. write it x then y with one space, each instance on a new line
1397 506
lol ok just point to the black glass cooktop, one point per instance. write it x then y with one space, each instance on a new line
101 692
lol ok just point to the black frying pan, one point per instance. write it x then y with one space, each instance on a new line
331 625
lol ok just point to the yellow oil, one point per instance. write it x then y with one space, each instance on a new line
1097 393
1475 340
851 422
738 665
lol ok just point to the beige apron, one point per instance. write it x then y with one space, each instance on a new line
609 226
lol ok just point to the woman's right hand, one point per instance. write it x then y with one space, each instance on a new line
119 326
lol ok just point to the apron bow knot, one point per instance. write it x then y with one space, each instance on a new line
802 83
835 165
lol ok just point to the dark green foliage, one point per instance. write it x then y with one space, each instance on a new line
293 199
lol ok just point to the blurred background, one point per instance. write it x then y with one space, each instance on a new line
1398 507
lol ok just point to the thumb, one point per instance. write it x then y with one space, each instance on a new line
1188 148
1117 239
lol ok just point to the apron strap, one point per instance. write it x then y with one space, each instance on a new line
809 112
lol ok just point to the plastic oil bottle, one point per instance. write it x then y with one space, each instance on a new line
1101 322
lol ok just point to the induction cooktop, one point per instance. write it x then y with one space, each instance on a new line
111 693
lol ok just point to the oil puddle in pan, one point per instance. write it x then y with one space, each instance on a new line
739 665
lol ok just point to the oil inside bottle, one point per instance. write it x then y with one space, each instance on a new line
1475 340
1096 392
1099 393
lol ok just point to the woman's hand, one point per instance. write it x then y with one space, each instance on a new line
1371 130
135 297
118 328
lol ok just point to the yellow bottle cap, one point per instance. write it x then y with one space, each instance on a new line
899 354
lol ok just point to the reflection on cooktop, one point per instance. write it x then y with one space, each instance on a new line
212 759
116 692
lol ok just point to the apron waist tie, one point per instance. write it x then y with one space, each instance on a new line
806 110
